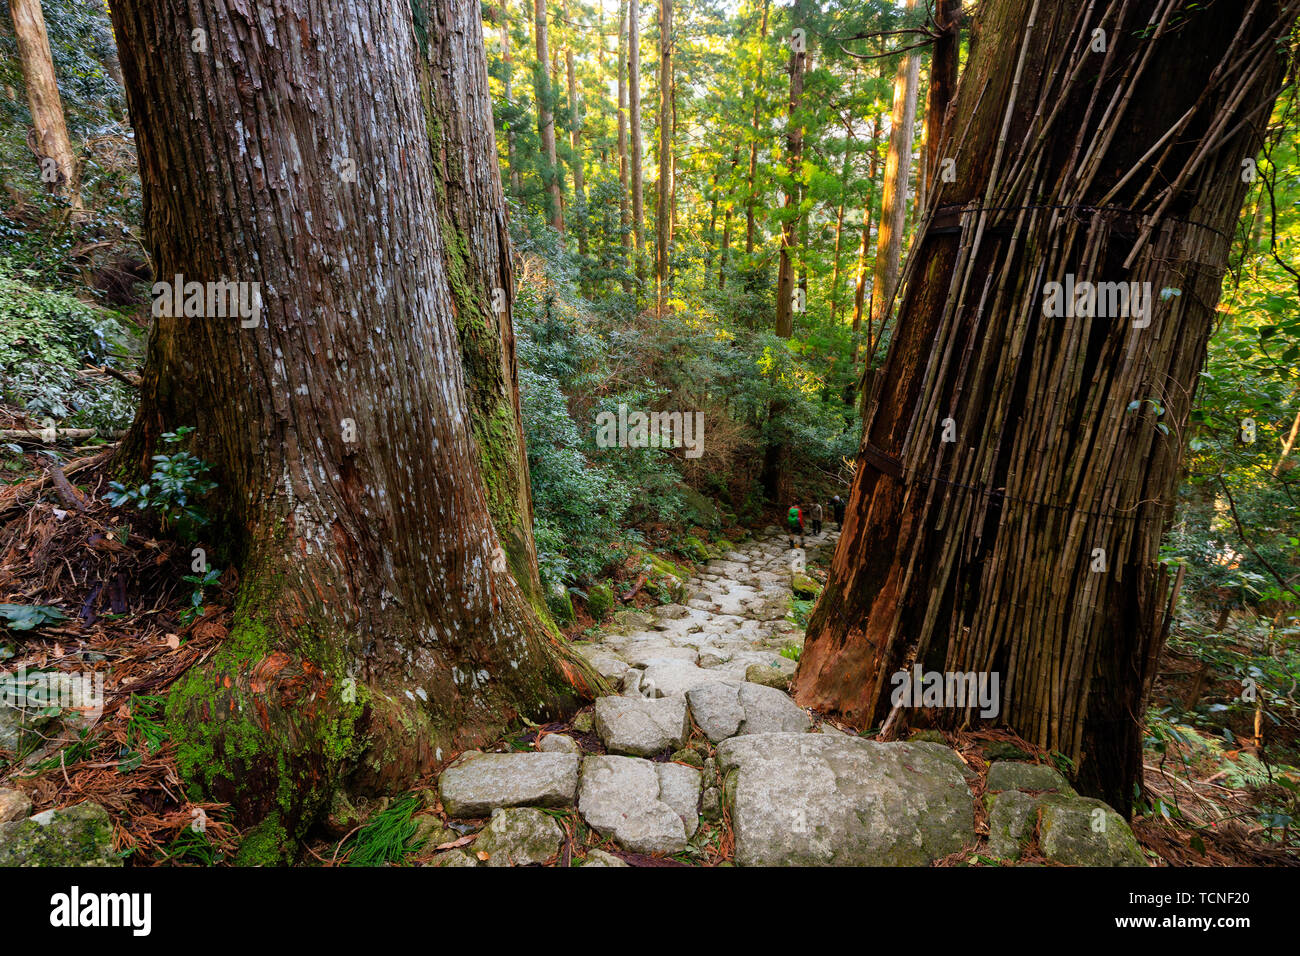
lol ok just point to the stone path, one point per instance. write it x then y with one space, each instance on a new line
702 724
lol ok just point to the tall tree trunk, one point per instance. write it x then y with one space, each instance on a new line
751 198
663 211
839 232
1027 545
507 79
376 627
774 453
943 86
477 252
860 287
50 141
546 117
893 202
785 286
575 142
725 251
624 210
634 123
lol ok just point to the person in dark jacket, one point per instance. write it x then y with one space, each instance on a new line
837 509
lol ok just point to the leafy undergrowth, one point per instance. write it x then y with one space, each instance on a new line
120 612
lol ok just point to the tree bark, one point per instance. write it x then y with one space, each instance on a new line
634 122
751 197
943 86
624 202
476 244
1028 545
893 200
516 180
546 117
51 142
860 287
575 143
376 628
785 285
663 211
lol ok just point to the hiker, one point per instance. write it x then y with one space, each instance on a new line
816 518
837 509
794 521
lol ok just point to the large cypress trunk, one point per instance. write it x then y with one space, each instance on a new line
476 244
1027 544
376 626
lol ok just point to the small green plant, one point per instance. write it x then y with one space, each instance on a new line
145 724
177 480
26 617
201 582
800 609
387 837
791 652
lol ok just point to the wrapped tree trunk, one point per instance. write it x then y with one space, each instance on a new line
377 626
1021 454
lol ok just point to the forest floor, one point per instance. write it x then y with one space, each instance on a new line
696 678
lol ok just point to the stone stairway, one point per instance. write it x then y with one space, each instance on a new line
703 728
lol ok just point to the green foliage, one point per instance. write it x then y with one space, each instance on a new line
387 837
177 480
201 582
23 617
799 611
46 337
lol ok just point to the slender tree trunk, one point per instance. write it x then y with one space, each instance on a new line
751 197
663 211
546 117
725 252
839 231
893 203
50 140
516 182
634 124
860 288
377 627
1014 481
575 143
943 86
624 210
785 285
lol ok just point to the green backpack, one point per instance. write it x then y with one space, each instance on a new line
792 516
